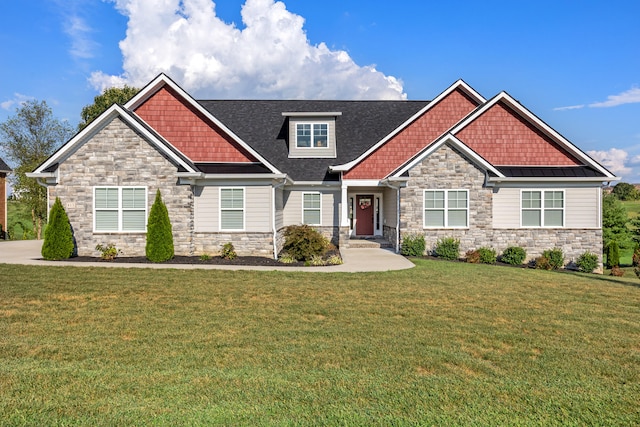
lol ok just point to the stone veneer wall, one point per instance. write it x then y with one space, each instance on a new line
118 156
447 169
245 244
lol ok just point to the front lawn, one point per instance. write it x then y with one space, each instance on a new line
442 344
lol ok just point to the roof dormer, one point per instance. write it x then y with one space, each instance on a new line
312 134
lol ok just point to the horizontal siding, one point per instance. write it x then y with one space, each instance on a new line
389 207
330 203
257 208
279 209
582 207
329 151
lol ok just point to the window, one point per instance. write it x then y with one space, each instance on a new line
312 135
232 208
446 208
311 208
543 208
120 209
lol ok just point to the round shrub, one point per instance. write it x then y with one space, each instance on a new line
413 245
303 242
487 255
513 255
555 258
447 248
473 256
58 237
159 247
587 262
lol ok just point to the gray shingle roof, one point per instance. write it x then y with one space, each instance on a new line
4 167
261 125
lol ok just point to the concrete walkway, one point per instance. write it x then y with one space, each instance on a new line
27 252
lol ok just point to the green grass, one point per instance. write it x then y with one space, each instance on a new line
441 344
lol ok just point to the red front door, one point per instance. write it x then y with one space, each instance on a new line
364 215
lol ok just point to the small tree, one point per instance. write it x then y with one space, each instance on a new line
625 191
102 102
614 222
613 254
159 247
58 237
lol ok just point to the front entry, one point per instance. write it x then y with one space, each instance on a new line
364 215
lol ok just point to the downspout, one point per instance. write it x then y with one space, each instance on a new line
273 216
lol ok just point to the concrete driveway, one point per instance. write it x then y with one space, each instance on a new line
27 252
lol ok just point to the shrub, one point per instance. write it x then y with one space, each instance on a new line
473 256
543 263
613 254
205 257
285 258
109 252
159 247
513 255
303 242
636 256
334 260
555 258
587 262
317 260
487 255
58 237
413 245
447 248
617 271
228 251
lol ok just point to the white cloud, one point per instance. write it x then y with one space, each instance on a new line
17 99
570 107
613 159
270 57
630 96
82 46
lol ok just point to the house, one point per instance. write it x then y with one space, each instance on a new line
486 171
4 170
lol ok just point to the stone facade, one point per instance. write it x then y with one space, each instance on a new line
448 169
118 156
245 244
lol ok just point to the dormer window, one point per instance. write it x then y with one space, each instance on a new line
312 135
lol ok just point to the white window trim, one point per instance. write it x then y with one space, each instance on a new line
244 208
120 209
543 209
303 208
313 124
446 208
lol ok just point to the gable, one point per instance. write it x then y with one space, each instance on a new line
189 131
504 137
413 138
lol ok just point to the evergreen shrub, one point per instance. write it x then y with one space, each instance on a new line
447 248
555 258
513 255
303 242
58 237
587 262
613 254
159 247
413 245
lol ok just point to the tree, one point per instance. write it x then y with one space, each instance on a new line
625 191
58 237
614 222
159 247
29 138
110 96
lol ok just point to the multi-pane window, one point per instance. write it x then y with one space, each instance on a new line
543 208
120 209
312 135
446 208
311 208
232 208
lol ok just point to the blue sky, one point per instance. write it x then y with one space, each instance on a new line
574 64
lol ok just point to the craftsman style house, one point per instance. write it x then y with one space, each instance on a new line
486 171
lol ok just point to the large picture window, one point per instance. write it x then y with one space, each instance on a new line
446 208
311 208
120 209
312 135
542 208
232 208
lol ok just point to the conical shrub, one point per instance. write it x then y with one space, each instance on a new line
159 247
58 237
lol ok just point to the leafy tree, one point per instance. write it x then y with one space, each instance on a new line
614 222
626 191
58 237
28 138
159 246
110 96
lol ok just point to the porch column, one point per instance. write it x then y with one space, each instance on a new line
343 231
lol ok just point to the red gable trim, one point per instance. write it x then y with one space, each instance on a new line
189 131
503 137
445 113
